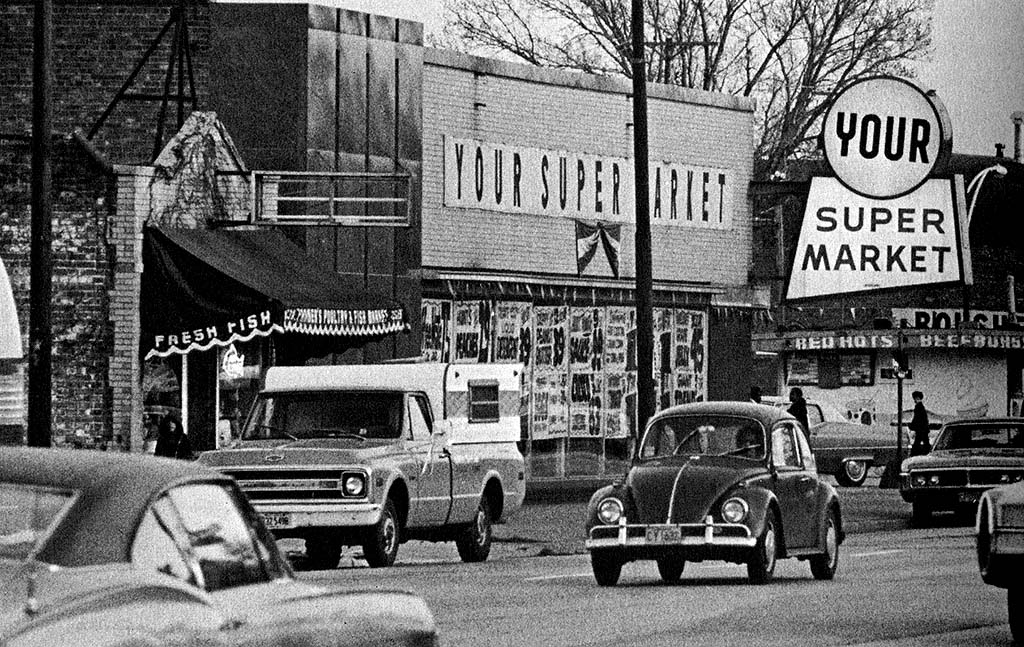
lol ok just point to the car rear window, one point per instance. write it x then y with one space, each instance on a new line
998 436
28 515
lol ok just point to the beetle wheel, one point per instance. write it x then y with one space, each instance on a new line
607 567
852 473
381 544
761 566
671 568
824 565
474 542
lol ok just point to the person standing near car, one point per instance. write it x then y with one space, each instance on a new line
798 409
173 441
919 424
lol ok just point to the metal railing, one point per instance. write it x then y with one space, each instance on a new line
330 198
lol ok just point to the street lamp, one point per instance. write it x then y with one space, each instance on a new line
975 184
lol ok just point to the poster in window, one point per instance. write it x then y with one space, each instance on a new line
550 337
512 332
614 411
550 406
802 370
616 333
467 331
585 405
689 372
856 370
586 339
436 340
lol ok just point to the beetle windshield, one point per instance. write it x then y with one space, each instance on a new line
982 436
704 435
28 514
325 414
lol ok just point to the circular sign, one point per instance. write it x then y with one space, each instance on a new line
883 136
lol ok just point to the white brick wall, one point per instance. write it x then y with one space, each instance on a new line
529 107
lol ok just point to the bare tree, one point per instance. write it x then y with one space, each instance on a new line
792 56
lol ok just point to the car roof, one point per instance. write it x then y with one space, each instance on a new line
766 414
115 490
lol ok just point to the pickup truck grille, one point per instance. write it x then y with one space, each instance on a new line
292 485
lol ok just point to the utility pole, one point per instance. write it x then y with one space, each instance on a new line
645 396
41 282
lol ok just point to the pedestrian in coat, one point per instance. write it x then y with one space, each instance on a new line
798 408
173 441
919 424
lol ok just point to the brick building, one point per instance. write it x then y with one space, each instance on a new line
516 243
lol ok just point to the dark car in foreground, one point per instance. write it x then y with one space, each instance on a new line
844 448
101 549
999 529
729 481
970 456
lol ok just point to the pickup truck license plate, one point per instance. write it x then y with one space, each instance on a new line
663 535
276 519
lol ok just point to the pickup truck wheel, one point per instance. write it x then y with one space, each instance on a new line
852 473
474 542
1015 610
607 567
381 545
322 553
761 566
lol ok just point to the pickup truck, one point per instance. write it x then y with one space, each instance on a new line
375 455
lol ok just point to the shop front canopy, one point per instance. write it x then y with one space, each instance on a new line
203 288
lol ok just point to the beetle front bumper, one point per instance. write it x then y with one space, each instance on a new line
707 536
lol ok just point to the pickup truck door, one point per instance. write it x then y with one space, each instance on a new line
431 480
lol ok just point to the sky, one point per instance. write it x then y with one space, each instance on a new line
977 66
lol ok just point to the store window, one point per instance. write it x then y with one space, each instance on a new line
831 370
239 370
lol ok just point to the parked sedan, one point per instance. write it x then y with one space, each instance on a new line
846 449
970 456
101 549
999 528
732 481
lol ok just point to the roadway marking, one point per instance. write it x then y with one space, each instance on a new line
556 577
879 552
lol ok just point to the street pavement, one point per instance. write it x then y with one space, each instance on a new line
552 523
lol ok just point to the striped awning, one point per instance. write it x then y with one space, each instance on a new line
205 288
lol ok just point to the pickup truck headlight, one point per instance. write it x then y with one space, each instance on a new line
353 484
609 511
735 510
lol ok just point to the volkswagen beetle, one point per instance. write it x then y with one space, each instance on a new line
104 550
730 481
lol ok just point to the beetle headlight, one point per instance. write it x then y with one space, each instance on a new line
353 484
609 511
735 510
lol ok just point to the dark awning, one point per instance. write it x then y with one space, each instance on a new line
205 288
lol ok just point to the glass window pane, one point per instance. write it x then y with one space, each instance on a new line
154 548
221 541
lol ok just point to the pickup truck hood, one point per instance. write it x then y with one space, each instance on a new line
967 458
699 482
323 451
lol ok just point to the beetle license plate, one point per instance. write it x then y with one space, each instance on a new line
274 520
663 535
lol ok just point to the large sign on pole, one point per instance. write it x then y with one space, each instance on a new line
882 222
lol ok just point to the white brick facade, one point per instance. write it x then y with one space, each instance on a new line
516 105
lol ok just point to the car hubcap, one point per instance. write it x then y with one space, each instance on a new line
769 548
855 470
482 530
831 545
387 532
